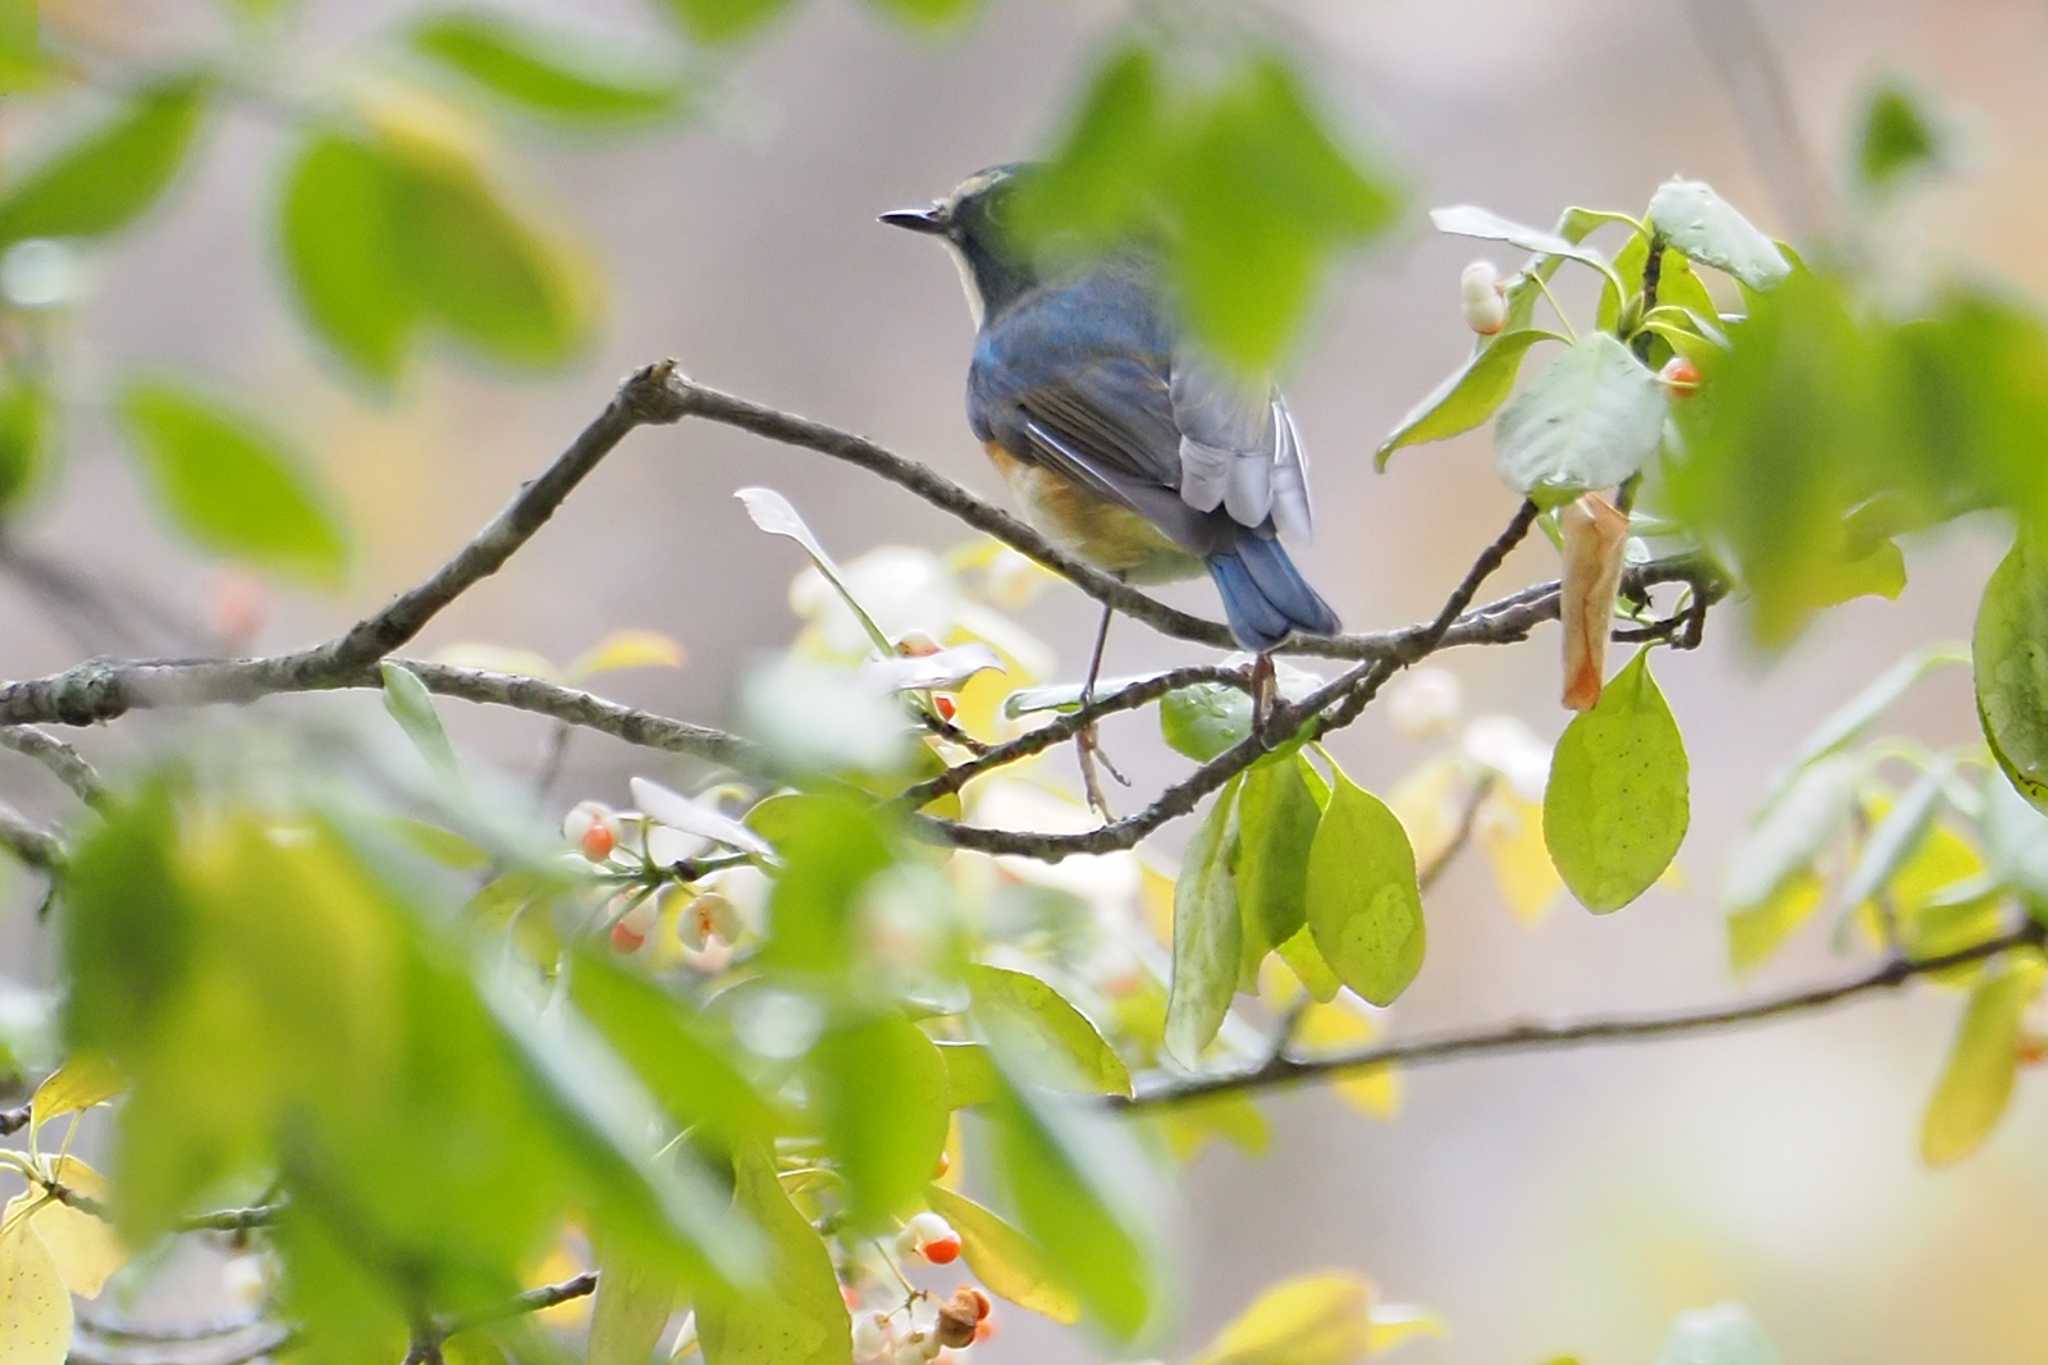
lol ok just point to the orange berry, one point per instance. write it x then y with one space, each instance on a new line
598 842
1682 376
624 940
947 709
984 1329
941 1250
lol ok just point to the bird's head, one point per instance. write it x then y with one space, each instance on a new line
976 222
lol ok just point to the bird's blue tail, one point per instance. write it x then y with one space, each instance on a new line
1264 596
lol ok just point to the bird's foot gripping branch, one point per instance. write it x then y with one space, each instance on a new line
370 1023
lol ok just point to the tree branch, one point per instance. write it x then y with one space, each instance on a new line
1288 1069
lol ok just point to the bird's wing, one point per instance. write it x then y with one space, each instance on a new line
1239 449
1080 380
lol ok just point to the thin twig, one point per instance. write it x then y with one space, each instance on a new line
219 1220
1531 1037
29 841
60 758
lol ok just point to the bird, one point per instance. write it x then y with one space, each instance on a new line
1117 436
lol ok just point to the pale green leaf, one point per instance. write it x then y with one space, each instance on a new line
1591 418
1203 720
720 21
1617 804
1469 220
773 513
1364 905
1277 815
85 1079
410 704
1709 230
927 13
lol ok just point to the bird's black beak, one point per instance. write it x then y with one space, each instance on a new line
929 220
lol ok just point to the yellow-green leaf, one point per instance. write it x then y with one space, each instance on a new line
1009 1263
632 1311
1040 1030
1207 933
1467 396
799 1317
546 73
628 649
1977 1081
1509 831
35 1308
1313 1320
83 1081
1364 905
883 1091
1617 805
83 1247
1756 931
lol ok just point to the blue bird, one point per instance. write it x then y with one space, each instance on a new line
1118 441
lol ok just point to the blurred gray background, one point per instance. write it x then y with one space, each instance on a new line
1544 1204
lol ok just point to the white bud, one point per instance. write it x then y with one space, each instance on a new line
1424 702
870 1338
1484 298
582 817
640 918
923 1228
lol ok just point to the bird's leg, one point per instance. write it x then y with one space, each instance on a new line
1086 746
1265 689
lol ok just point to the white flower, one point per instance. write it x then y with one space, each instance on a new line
1424 702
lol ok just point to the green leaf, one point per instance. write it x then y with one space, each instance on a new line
2010 648
1725 1334
105 180
684 1060
1895 838
971 1075
1205 719
1265 194
1709 230
2015 839
1590 419
1467 396
1009 1263
721 21
1084 1194
883 1092
799 1318
1065 698
1030 1020
1207 933
25 442
1617 805
1098 183
342 240
631 1312
1277 816
410 704
831 848
1364 905
385 236
1898 137
545 73
229 484
1976 1083
927 13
